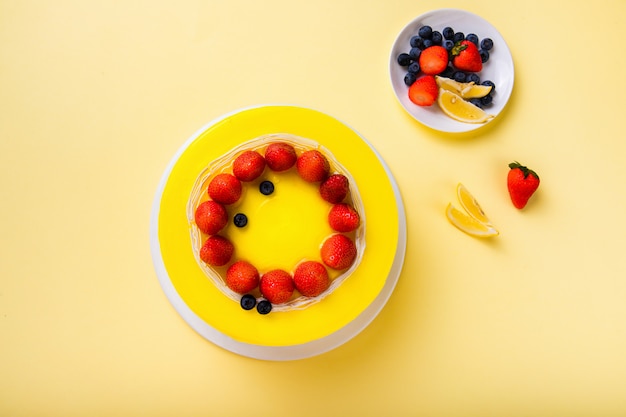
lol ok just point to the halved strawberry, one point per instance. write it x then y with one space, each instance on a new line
280 156
312 166
335 188
424 91
311 278
277 286
242 277
338 252
433 60
466 57
211 217
343 218
225 188
248 166
217 250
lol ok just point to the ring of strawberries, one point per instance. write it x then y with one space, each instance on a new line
310 278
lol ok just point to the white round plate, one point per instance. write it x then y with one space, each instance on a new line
499 67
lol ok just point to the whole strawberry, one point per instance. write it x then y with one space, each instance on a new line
312 166
280 156
522 184
466 57
311 278
338 252
248 166
277 286
225 188
211 217
424 91
433 60
335 188
242 277
217 250
343 218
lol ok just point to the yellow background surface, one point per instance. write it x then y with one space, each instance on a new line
97 96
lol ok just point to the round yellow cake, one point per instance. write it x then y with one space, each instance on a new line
302 327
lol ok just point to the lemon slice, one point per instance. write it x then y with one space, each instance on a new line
470 205
454 106
468 224
465 90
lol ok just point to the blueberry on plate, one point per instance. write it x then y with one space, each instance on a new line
486 100
437 37
476 102
414 68
416 42
448 44
459 76
425 32
410 78
448 33
490 83
458 37
415 53
486 44
473 38
473 78
404 59
484 55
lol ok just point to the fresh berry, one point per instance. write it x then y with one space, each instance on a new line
280 156
458 37
211 217
240 220
473 38
424 91
425 32
248 166
436 37
311 278
225 188
404 59
409 78
522 184
248 302
313 166
486 44
335 188
415 52
490 84
266 187
465 57
277 286
242 277
343 218
338 252
217 250
433 60
448 33
484 55
264 307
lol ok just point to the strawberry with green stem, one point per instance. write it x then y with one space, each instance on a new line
522 183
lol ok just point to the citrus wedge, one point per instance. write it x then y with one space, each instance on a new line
456 107
465 90
470 205
468 224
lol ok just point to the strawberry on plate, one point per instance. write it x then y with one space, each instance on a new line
343 218
225 188
335 188
338 252
280 156
433 60
277 286
211 217
217 250
466 57
311 278
248 166
424 91
242 277
312 166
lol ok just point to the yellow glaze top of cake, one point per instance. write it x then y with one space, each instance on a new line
270 238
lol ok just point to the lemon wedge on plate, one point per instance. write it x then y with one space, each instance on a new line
473 221
456 107
465 90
